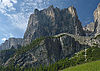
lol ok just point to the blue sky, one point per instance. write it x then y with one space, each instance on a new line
14 14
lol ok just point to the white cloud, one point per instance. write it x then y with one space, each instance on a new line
18 20
7 5
17 15
4 39
25 8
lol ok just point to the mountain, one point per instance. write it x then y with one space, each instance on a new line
97 19
30 56
48 22
6 54
48 50
53 21
52 34
11 42
93 29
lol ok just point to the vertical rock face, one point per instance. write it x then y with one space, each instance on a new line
6 54
12 42
52 21
97 20
50 50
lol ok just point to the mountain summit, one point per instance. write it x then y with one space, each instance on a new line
53 21
52 36
49 22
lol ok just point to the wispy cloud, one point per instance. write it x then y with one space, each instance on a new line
18 13
5 37
10 35
25 8
18 20
7 5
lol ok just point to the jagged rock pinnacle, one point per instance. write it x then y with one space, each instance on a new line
52 21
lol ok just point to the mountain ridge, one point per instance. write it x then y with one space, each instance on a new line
52 34
49 22
53 21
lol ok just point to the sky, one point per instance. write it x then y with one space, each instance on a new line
14 14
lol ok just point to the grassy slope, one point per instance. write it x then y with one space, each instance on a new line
92 66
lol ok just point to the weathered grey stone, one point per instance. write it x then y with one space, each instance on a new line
50 50
11 42
6 54
53 21
97 20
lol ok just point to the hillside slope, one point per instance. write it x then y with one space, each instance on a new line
92 54
47 50
92 66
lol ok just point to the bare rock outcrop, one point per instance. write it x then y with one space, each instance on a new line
53 21
11 42
50 50
97 20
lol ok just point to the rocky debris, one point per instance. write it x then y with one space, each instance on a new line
52 21
11 42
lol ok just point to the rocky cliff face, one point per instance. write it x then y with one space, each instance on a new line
11 42
6 54
48 22
50 50
97 19
52 21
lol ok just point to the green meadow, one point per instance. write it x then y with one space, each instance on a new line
92 66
